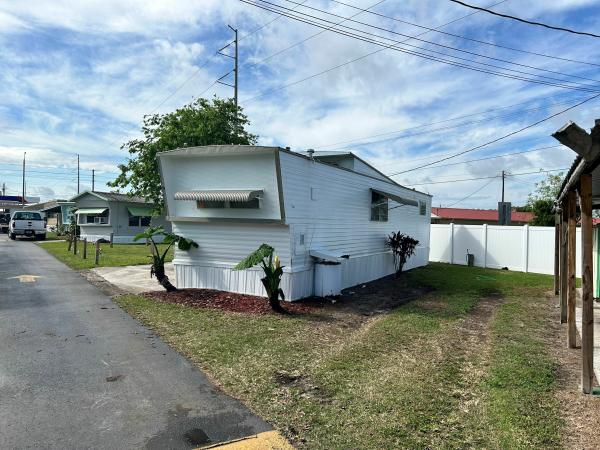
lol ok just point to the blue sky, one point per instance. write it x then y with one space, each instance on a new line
77 77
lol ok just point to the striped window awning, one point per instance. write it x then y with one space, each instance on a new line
245 195
397 198
90 210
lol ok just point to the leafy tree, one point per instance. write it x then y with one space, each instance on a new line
546 189
543 210
158 259
403 247
202 122
273 270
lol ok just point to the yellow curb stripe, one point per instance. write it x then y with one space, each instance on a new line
269 440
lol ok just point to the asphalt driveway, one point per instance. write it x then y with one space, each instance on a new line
78 372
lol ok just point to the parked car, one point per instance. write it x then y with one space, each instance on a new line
4 221
27 223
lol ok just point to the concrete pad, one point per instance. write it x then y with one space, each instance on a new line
134 279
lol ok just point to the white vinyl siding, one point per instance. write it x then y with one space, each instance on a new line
339 220
222 172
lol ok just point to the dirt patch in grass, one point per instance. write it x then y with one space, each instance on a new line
580 412
229 301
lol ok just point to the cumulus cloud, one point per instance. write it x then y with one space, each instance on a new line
77 78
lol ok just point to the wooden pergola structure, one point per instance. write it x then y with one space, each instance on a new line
579 194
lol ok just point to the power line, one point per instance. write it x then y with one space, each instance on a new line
395 47
484 159
479 55
449 127
487 178
529 22
308 38
471 194
512 133
478 41
366 55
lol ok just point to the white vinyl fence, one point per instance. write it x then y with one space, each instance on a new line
522 248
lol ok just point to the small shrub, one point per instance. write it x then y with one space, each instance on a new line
403 247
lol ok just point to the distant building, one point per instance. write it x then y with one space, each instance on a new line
466 216
100 214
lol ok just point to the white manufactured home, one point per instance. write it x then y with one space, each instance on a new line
100 214
326 214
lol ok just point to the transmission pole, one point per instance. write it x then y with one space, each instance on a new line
23 193
78 173
235 65
503 175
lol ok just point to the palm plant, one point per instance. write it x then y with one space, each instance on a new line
158 258
271 266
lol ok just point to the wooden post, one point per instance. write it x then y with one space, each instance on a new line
571 293
111 240
563 262
556 254
97 258
587 263
75 245
70 241
84 248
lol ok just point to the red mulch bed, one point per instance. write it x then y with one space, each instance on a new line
229 301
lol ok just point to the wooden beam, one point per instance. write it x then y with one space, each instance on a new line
571 293
576 138
563 262
587 305
556 253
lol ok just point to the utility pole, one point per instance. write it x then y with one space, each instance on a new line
23 193
3 189
503 175
235 65
78 173
93 176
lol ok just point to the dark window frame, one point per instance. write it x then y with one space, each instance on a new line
379 207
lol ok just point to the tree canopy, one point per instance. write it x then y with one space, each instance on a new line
546 189
541 200
202 122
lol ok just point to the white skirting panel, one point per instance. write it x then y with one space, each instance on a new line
295 285
116 239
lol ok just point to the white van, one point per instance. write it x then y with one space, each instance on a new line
27 223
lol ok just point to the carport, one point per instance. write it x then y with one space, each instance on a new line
578 197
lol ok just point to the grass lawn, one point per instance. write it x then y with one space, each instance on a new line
51 236
464 365
119 255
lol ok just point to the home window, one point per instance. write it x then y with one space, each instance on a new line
139 221
422 208
226 204
379 207
94 218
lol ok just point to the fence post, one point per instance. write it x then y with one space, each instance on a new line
451 243
525 248
485 245
111 240
97 258
70 242
85 248
75 245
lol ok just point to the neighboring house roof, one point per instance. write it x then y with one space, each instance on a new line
50 204
478 214
113 197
